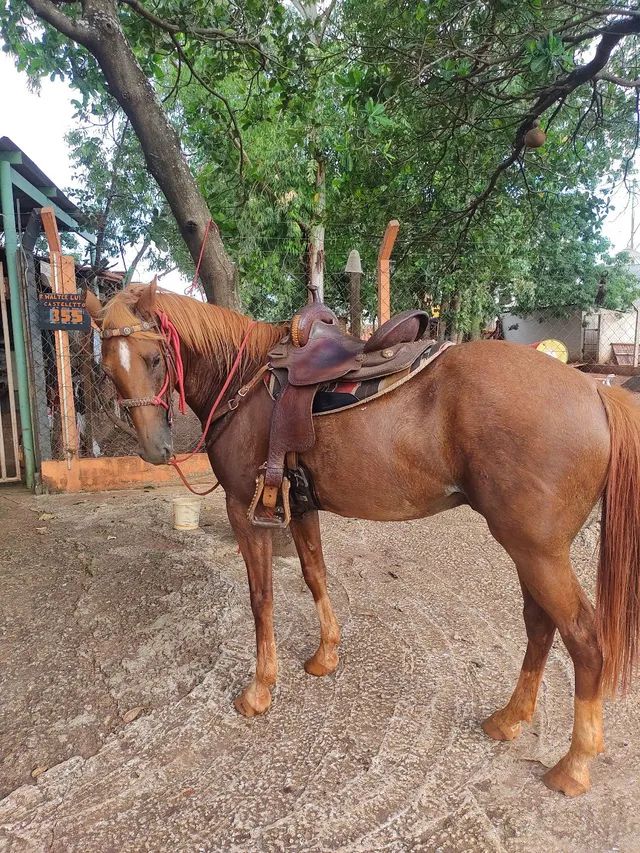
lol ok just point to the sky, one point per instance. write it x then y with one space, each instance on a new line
37 123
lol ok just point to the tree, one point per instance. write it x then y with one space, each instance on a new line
109 32
120 205
374 110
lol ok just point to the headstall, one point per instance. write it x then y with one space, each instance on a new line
174 380
174 373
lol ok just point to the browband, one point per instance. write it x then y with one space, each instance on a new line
125 331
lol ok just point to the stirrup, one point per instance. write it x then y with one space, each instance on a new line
280 514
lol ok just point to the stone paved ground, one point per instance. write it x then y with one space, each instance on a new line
107 609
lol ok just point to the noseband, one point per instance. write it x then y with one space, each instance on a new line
174 374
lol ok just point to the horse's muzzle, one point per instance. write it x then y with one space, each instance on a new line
158 454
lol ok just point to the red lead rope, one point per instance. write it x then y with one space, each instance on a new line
194 284
179 368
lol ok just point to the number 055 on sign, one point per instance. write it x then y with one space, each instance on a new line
63 312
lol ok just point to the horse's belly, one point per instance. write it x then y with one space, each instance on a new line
381 461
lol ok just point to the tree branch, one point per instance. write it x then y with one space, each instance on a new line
204 32
77 30
204 84
139 256
619 81
561 88
325 21
111 195
611 35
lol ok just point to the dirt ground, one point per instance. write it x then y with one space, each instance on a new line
106 609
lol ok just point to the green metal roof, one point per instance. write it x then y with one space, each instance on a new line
33 189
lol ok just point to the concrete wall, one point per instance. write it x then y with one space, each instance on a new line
541 325
121 472
616 327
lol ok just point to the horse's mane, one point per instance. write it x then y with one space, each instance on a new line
204 328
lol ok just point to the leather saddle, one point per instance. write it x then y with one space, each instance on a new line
314 352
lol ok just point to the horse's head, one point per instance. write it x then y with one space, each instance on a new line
136 364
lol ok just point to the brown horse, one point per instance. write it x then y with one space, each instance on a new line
528 442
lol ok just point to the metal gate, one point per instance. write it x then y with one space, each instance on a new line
9 447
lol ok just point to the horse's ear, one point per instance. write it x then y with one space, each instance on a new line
93 306
147 299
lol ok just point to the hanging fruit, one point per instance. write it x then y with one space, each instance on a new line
535 136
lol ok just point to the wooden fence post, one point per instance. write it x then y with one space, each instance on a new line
354 271
384 273
63 280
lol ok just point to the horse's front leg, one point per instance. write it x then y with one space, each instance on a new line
306 535
256 549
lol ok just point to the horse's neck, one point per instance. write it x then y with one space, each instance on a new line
203 377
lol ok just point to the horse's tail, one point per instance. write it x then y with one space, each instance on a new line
618 593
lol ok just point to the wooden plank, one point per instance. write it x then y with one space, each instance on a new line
623 353
63 280
388 239
120 472
384 292
384 270
51 229
68 270
60 284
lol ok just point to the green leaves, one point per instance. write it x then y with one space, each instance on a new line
548 55
377 119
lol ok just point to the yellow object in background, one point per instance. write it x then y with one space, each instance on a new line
556 349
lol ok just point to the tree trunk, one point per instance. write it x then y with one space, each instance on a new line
103 219
139 256
454 332
100 32
476 331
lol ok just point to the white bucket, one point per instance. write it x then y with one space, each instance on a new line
186 513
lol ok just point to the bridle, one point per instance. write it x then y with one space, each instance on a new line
174 368
174 381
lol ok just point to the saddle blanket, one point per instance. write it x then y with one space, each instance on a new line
342 394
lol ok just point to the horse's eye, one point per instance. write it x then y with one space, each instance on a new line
155 361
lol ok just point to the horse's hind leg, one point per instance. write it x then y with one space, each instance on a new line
306 535
554 586
505 723
575 619
256 549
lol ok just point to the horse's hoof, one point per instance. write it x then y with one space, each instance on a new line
253 701
558 779
320 665
499 729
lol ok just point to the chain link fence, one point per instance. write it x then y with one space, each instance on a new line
75 405
597 340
